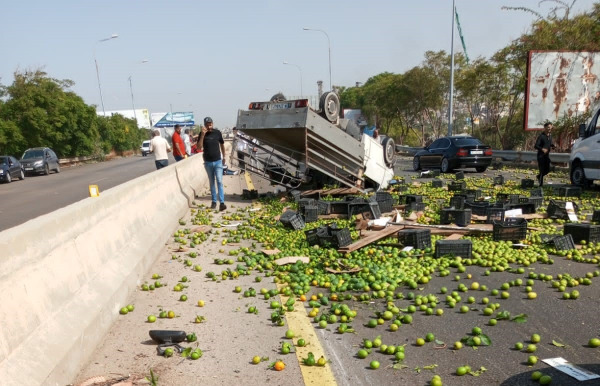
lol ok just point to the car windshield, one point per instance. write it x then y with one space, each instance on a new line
33 154
3 160
467 142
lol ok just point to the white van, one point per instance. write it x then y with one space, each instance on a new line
584 162
145 148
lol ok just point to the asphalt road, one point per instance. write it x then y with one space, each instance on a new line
21 201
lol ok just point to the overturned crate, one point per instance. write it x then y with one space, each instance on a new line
460 217
417 238
513 229
462 248
292 220
583 232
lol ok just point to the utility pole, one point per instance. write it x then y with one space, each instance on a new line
450 112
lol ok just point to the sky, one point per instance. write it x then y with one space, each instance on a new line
215 57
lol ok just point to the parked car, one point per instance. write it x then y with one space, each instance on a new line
10 168
449 153
145 148
40 160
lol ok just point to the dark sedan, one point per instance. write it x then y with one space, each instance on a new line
10 168
40 160
449 153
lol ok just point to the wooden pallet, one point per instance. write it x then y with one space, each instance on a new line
371 237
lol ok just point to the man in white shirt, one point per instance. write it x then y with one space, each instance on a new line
187 142
161 149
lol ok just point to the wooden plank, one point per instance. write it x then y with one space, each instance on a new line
371 236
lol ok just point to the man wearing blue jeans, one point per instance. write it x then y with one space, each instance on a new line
213 151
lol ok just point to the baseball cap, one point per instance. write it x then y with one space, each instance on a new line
207 120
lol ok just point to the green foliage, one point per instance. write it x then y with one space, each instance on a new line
41 111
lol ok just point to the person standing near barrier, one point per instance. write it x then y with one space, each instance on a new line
187 142
178 145
161 148
543 144
213 151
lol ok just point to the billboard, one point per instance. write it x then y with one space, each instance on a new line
142 116
172 119
559 83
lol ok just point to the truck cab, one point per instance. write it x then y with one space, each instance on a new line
584 161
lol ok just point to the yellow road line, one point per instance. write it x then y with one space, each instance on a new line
249 183
299 322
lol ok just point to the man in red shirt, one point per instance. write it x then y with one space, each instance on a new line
178 145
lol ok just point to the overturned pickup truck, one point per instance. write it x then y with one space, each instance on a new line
291 144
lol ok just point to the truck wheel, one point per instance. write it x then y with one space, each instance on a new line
578 176
330 106
279 97
416 164
389 151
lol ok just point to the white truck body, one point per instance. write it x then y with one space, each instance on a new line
298 145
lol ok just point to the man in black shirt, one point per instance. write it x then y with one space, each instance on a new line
213 151
543 144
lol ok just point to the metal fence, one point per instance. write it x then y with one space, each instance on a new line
505 155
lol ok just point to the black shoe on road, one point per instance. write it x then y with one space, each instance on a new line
213 205
222 207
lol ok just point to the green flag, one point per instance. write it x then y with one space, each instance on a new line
462 39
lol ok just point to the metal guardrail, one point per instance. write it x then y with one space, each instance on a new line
68 161
506 155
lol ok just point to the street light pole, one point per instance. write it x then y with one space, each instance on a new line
451 98
329 50
113 36
299 69
131 90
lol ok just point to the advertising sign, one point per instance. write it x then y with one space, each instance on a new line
172 119
559 83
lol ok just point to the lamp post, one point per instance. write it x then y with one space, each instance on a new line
451 96
131 90
113 36
329 50
299 69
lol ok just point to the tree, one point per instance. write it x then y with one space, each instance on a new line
48 115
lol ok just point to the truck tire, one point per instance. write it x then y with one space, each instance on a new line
279 97
330 106
389 151
578 176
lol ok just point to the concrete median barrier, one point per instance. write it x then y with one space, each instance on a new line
65 275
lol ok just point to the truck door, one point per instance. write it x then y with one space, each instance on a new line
590 149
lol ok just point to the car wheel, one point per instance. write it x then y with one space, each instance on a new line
22 176
481 169
416 164
57 168
578 176
8 178
445 165
46 169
